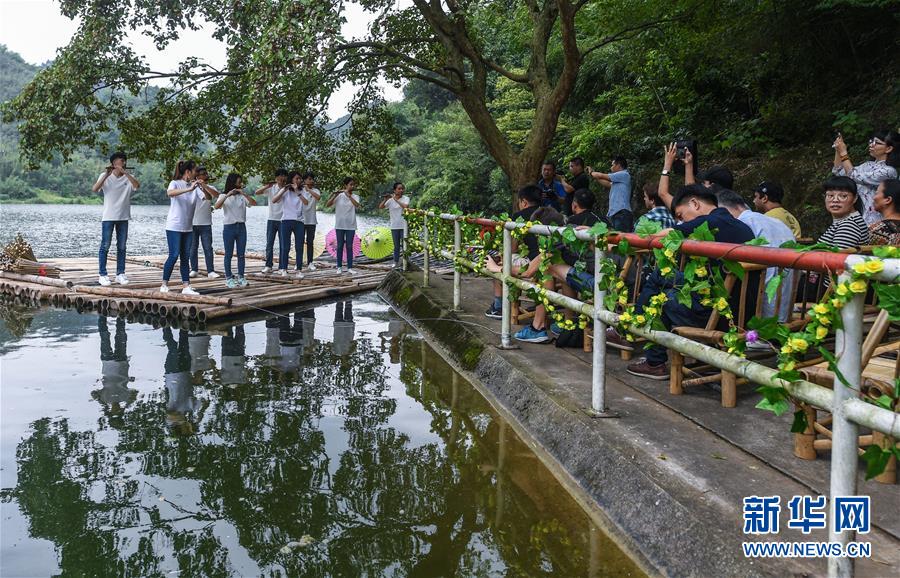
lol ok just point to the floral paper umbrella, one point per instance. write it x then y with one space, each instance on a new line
377 243
331 244
318 246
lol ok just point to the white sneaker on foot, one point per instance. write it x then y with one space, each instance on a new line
299 274
164 289
311 267
121 279
340 270
192 274
351 271
104 280
266 269
188 291
213 275
282 272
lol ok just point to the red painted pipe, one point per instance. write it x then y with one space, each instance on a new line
786 258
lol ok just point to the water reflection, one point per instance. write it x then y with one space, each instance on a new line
114 394
363 455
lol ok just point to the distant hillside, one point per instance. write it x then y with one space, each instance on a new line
56 182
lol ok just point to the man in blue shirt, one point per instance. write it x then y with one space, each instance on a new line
618 181
553 194
693 206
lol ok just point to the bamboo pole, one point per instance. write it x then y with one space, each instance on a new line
290 298
145 294
49 281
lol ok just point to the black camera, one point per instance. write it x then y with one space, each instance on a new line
681 146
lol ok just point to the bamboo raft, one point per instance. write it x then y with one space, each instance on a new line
77 287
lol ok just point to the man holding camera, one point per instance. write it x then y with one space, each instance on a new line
553 194
580 181
117 186
618 181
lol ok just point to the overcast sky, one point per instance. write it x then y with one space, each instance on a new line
36 29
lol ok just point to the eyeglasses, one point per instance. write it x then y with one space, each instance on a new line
838 196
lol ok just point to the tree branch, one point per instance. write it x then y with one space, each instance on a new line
629 32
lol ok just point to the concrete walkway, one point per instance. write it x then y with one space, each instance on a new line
669 475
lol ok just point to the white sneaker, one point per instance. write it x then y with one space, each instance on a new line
340 270
311 267
164 289
104 280
351 271
121 279
299 275
188 291
282 272
213 275
192 274
266 269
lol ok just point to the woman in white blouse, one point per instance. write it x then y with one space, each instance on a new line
184 195
884 148
345 203
234 205
292 202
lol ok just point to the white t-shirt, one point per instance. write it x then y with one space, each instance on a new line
116 197
182 208
234 209
203 214
309 211
345 212
291 206
396 212
275 209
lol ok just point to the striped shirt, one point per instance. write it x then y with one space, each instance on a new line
661 215
847 232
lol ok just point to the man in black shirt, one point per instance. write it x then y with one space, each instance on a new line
693 206
580 180
529 198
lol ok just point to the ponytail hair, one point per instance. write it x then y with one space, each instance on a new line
231 181
182 167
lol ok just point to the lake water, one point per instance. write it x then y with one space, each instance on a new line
322 442
74 230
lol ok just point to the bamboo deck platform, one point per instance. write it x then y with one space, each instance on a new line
77 287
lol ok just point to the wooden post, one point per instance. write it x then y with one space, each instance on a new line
675 372
729 389
803 442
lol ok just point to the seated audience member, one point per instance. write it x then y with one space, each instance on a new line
692 206
580 180
776 234
583 210
884 148
536 331
767 198
656 209
529 198
553 193
887 203
618 181
848 229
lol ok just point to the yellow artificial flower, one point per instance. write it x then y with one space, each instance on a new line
858 286
874 266
623 299
704 291
706 302
860 268
700 272
787 350
841 289
665 270
651 310
837 303
668 253
821 332
625 317
620 284
798 344
721 304
789 366
821 308
640 320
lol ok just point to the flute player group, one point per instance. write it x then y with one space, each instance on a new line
292 199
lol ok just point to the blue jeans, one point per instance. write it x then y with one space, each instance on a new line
121 228
202 234
674 314
310 232
179 250
397 236
272 228
288 228
623 221
345 237
231 234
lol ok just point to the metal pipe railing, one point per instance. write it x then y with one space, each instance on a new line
847 409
